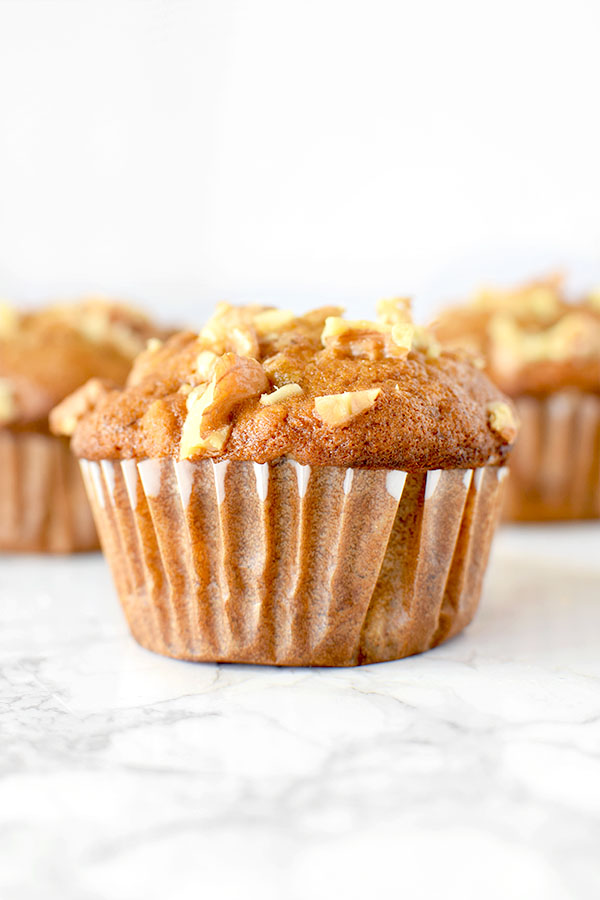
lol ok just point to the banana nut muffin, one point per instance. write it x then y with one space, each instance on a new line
295 490
44 355
545 353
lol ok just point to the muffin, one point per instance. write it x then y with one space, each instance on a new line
295 490
544 352
44 356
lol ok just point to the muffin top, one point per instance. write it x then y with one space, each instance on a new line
46 354
259 383
531 339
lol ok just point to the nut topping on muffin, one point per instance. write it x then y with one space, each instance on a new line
231 329
9 320
502 420
301 545
338 409
260 384
273 321
281 394
46 355
532 339
206 426
394 311
367 340
544 352
50 352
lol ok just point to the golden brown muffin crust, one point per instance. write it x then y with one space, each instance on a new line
259 384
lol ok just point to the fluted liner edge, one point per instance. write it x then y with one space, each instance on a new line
43 504
555 464
285 564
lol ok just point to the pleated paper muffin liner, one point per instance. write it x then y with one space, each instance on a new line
555 464
43 505
284 564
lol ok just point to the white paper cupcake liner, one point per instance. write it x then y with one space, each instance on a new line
286 564
555 464
43 505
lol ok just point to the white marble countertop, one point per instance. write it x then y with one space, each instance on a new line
472 771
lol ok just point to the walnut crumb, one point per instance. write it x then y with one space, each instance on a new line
206 426
502 420
9 320
230 329
338 409
281 394
424 341
273 321
205 364
394 311
593 300
360 338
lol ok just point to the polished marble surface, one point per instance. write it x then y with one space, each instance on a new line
472 771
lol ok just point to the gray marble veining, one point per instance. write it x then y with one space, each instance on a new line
470 771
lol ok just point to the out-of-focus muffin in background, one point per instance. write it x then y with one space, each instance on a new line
44 355
544 352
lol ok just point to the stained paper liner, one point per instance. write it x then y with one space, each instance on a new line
555 465
43 505
284 564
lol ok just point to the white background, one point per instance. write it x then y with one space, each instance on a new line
182 152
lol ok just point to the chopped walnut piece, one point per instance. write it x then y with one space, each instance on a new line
7 401
502 420
9 320
540 300
65 417
368 340
394 311
193 395
103 323
316 318
272 321
195 435
336 327
402 338
205 364
576 334
593 300
424 341
234 380
230 329
338 409
214 440
243 342
281 394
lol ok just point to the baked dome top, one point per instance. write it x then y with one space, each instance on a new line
531 339
259 383
46 354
